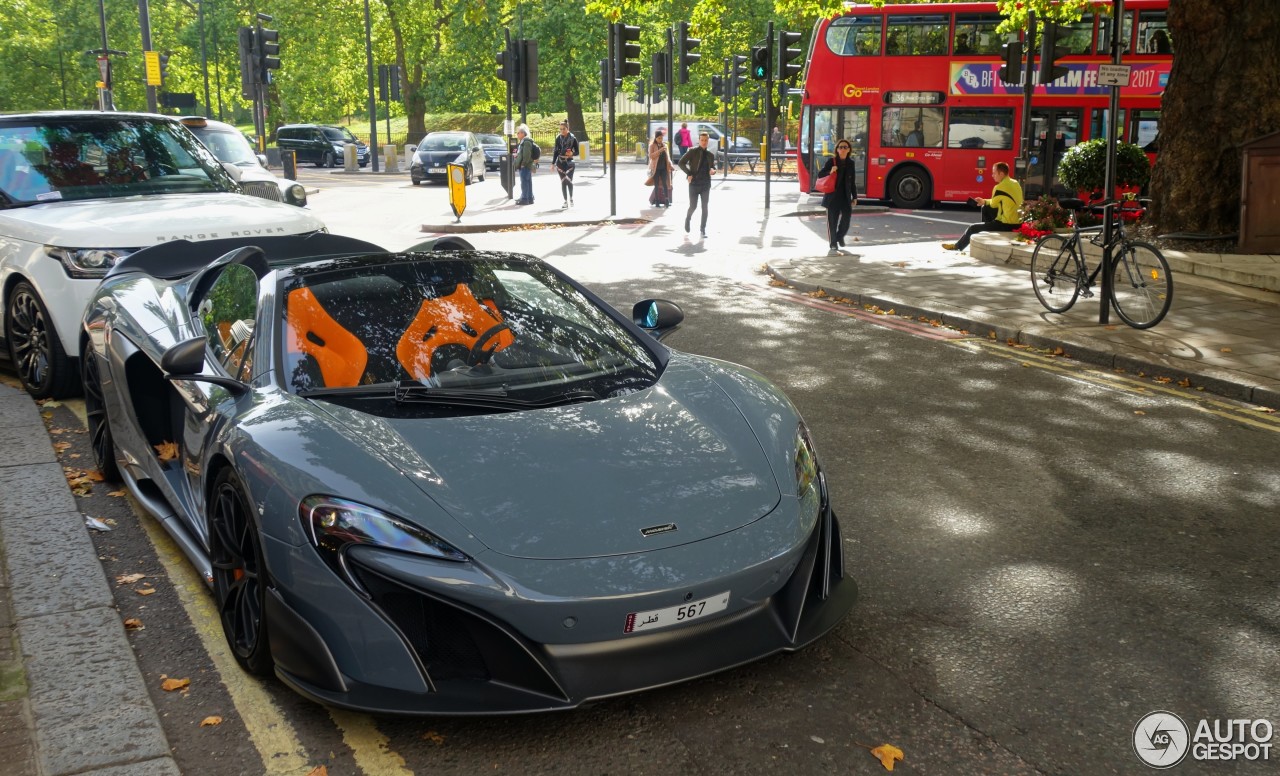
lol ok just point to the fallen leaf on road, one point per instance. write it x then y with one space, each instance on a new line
169 685
991 335
116 493
1226 350
887 754
1164 380
817 294
900 264
1267 410
211 721
145 591
60 447
94 475
433 737
1139 412
51 404
776 283
133 623
319 770
166 451
1059 352
129 579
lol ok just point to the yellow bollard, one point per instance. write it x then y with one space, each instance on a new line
764 149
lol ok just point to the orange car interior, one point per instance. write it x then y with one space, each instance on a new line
313 332
457 319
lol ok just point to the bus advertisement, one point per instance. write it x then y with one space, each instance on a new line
916 89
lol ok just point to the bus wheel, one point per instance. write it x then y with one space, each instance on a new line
909 188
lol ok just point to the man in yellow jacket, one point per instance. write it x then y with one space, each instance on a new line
1006 199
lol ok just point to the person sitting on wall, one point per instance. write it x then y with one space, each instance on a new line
1001 213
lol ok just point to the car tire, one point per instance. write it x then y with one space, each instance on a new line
34 348
101 442
468 178
328 160
415 181
240 577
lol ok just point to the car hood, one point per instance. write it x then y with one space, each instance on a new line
586 480
136 222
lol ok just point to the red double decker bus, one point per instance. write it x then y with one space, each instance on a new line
916 89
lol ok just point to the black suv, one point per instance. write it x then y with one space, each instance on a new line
319 144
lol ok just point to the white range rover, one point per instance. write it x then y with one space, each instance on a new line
81 190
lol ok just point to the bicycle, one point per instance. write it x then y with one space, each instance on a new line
1140 279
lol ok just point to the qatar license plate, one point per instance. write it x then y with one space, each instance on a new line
439 170
676 615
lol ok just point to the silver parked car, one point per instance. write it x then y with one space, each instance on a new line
439 149
455 481
229 146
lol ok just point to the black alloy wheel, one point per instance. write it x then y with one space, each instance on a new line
239 575
327 160
34 347
95 410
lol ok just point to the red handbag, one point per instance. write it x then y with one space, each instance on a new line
826 183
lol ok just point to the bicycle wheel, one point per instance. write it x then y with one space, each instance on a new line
1141 285
1055 272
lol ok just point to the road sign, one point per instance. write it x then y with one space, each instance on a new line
457 189
1113 75
153 67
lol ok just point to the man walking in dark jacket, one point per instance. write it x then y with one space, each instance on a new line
699 164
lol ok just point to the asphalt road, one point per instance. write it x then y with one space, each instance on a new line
1046 553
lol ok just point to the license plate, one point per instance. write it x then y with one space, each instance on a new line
676 615
436 170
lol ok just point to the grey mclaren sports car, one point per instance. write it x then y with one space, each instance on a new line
455 481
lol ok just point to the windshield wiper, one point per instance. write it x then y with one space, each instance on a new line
408 392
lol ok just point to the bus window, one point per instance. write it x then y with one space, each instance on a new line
976 34
1076 37
986 128
852 36
914 127
917 35
1098 123
1153 33
1145 130
1104 32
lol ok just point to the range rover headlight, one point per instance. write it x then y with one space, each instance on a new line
296 195
334 524
88 262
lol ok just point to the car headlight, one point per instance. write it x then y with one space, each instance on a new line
808 474
334 524
296 195
88 262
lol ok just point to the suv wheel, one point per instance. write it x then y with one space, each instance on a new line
34 347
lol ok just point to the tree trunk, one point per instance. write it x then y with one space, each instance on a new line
572 107
1224 90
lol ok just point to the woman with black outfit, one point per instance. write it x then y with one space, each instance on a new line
565 152
660 170
839 203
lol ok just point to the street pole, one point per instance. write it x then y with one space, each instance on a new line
1109 184
1028 87
730 87
511 161
217 71
105 101
204 61
768 114
373 105
610 139
144 21
674 69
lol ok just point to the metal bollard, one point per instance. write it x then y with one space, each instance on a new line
290 161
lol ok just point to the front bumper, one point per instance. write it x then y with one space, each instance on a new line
474 662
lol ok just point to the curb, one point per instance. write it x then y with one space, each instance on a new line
497 227
87 699
1222 382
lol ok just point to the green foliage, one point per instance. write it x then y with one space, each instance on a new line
1045 214
1084 165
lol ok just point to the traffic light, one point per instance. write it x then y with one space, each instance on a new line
268 48
685 54
1050 71
605 91
393 75
526 85
755 101
786 69
760 62
505 66
661 70
248 63
1011 70
784 94
638 96
164 67
738 74
626 50
657 93
388 82
717 86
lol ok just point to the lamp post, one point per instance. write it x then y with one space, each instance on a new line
204 62
62 72
373 106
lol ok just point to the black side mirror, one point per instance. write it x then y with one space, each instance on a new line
659 317
185 361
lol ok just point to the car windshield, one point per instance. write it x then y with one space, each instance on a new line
445 143
492 140
475 324
227 145
44 159
340 134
